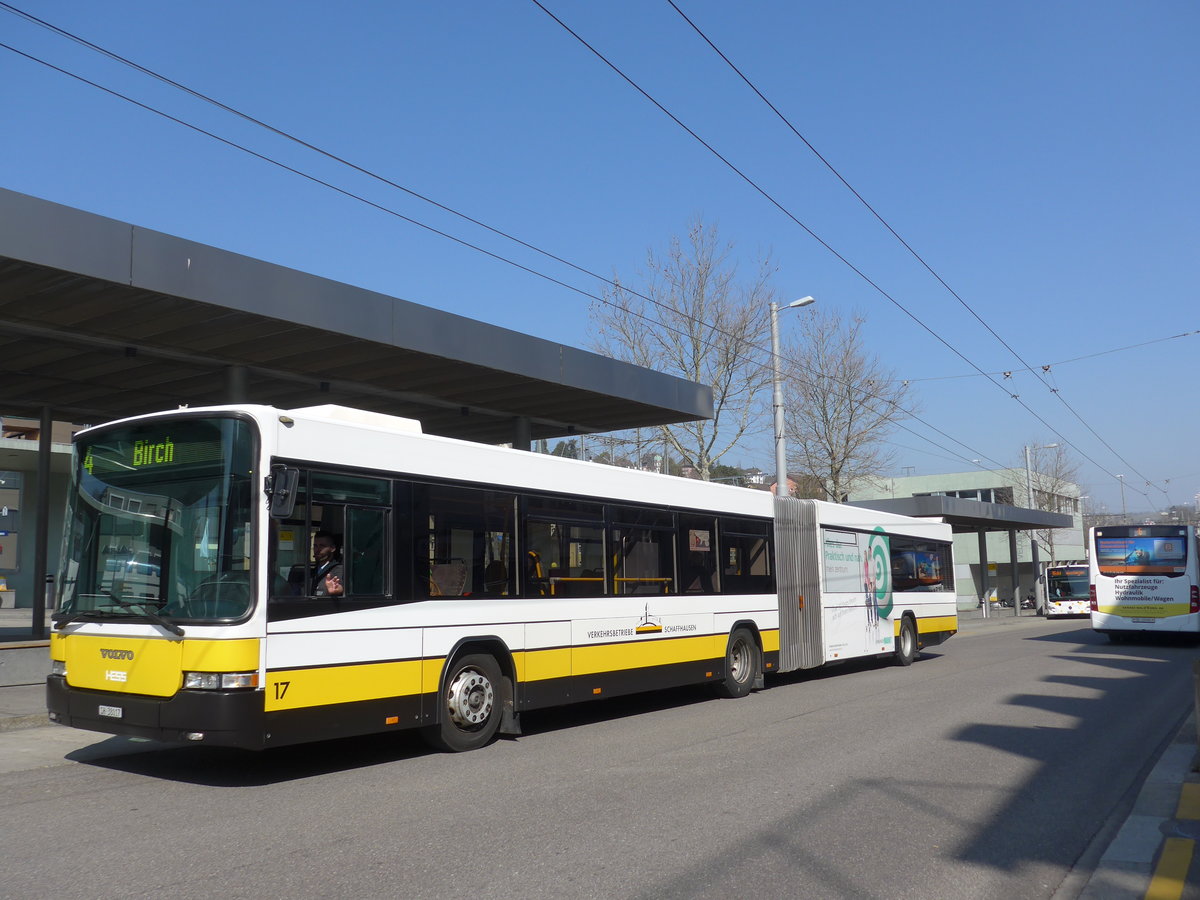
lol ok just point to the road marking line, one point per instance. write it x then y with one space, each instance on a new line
1171 872
1189 802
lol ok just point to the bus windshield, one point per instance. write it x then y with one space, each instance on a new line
1067 582
1141 550
159 524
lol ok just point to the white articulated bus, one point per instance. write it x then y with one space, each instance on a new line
1144 578
256 577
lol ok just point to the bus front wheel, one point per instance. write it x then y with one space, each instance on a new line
470 705
743 664
906 642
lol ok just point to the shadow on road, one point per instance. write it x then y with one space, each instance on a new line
1142 688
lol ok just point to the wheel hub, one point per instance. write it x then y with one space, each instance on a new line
470 698
738 661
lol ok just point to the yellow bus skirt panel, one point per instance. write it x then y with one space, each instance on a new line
327 685
932 624
593 659
541 665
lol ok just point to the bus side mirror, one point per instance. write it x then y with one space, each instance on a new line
281 489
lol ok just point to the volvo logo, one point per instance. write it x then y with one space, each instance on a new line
115 654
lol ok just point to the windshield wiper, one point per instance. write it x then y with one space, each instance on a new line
148 610
61 619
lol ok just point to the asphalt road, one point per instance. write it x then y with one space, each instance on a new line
982 771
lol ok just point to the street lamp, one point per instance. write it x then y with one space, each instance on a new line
781 482
1029 476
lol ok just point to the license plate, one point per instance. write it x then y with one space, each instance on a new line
112 712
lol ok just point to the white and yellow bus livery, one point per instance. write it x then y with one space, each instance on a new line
1145 578
470 583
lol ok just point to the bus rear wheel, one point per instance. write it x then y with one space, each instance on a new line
906 643
469 713
743 664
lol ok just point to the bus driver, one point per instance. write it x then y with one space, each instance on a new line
326 568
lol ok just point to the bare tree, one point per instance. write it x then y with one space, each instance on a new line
700 323
1053 474
839 403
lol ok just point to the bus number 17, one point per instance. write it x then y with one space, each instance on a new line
281 689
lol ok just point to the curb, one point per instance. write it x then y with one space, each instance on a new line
1138 851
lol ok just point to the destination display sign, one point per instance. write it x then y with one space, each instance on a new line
151 452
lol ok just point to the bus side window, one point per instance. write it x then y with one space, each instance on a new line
747 567
563 543
356 509
464 541
698 570
643 551
364 556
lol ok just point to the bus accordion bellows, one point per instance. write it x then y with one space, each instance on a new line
1144 578
255 577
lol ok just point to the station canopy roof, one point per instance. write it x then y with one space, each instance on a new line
101 319
970 515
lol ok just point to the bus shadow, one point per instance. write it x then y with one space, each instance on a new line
1096 643
231 767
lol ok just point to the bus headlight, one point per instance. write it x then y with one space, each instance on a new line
219 681
58 667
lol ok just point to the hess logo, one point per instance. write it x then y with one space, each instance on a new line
106 653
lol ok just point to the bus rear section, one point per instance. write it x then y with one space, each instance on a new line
1144 580
856 582
1066 590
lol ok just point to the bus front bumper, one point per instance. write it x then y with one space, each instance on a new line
222 718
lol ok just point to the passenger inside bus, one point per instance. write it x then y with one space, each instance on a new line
495 578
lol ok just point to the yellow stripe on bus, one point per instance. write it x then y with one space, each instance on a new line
589 660
1146 611
325 685
931 624
540 665
299 688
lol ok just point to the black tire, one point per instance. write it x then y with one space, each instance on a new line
469 708
906 642
743 664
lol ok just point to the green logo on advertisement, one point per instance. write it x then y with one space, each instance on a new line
879 572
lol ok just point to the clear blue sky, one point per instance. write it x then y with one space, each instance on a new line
1041 157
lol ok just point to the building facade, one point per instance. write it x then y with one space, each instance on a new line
1006 487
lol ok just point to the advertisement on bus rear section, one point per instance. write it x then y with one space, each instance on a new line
857 600
1138 555
1149 597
